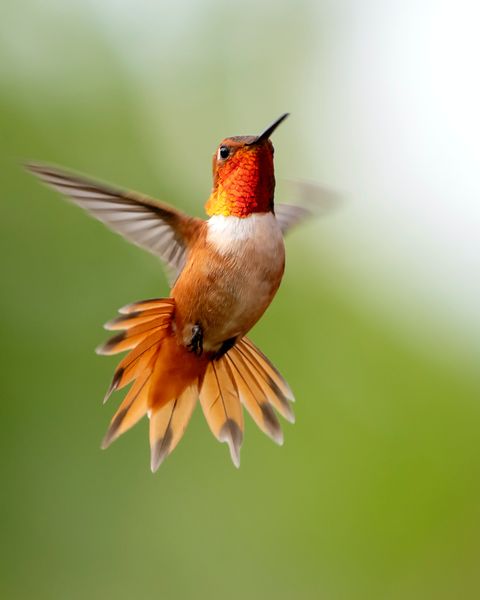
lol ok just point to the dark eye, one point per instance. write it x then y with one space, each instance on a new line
223 152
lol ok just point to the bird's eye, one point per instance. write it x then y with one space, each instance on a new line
223 152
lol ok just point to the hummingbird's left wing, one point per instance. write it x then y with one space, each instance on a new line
150 224
288 216
312 199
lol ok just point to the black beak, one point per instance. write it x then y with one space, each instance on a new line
269 130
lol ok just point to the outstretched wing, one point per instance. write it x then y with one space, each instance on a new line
312 200
150 224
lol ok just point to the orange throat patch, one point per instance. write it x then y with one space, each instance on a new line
244 184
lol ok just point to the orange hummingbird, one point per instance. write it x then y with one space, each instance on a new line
227 270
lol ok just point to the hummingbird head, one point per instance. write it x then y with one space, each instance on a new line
243 175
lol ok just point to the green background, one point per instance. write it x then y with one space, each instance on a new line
375 493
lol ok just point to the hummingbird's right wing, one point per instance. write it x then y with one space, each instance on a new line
152 225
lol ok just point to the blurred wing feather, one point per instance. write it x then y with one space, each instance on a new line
288 216
311 200
154 226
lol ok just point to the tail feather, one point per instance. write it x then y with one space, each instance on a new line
167 379
268 368
130 320
221 406
131 366
135 328
168 424
253 398
131 338
268 378
144 305
130 411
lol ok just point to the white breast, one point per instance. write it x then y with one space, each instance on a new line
261 230
256 256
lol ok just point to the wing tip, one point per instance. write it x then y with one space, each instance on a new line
34 166
44 170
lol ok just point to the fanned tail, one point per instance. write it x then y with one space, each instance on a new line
165 376
276 390
167 379
168 424
221 406
244 375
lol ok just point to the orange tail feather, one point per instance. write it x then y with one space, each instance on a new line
166 376
168 379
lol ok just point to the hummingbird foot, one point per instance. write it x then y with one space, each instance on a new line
196 341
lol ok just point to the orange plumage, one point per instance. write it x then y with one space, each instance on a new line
244 184
227 270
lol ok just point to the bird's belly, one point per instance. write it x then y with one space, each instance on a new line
235 281
238 299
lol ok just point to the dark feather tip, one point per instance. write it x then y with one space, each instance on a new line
232 434
114 385
161 450
113 323
108 347
271 423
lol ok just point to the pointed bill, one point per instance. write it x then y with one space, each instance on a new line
269 130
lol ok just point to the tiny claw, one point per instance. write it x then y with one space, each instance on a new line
196 341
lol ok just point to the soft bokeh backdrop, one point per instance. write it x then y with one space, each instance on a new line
376 492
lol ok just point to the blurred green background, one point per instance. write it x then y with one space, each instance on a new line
376 492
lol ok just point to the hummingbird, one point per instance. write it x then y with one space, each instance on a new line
225 272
